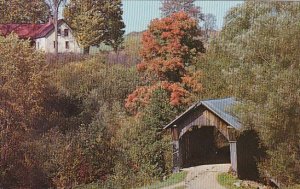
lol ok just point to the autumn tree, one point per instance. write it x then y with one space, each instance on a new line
23 11
22 110
95 22
169 47
258 41
172 6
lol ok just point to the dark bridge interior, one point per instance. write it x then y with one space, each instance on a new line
205 145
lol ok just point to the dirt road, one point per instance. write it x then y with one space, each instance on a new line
202 177
205 176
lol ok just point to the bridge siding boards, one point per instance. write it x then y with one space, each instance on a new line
204 114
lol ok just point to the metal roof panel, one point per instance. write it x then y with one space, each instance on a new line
220 107
223 109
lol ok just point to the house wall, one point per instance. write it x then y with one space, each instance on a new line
40 44
47 44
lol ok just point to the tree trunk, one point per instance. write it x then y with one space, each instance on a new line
86 50
55 22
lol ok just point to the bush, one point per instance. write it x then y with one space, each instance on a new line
144 148
23 115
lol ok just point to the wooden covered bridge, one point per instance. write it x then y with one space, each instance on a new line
207 133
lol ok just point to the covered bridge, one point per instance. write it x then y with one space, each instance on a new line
208 133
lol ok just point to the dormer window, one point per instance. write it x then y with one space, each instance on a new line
66 32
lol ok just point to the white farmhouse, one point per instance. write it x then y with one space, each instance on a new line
42 36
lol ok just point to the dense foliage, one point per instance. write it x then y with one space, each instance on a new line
98 91
23 108
169 47
261 65
91 121
145 149
95 22
23 11
55 121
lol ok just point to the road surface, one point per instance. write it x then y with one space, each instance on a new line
202 177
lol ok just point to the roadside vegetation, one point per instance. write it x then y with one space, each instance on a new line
67 122
228 181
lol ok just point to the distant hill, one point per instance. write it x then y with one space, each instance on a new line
135 37
134 34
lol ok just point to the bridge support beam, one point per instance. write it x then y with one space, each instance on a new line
233 155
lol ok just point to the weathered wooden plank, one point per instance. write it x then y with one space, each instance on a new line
175 133
176 156
212 119
233 155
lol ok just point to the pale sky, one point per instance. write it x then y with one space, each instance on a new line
139 13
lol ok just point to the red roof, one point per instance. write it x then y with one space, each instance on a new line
25 31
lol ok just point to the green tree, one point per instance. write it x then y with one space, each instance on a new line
23 11
95 22
142 144
115 26
264 74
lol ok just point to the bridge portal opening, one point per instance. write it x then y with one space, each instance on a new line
204 145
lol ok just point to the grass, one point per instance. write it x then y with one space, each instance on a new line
90 186
172 180
227 180
294 187
180 187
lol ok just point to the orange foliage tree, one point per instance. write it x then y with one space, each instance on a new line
169 47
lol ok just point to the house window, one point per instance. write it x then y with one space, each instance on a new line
66 32
53 44
59 32
67 45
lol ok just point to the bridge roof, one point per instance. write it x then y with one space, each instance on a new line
220 107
